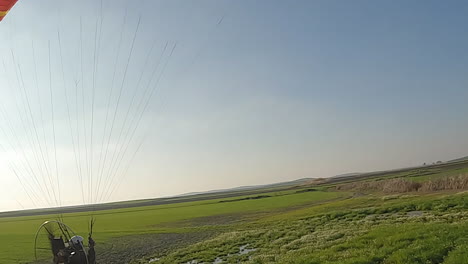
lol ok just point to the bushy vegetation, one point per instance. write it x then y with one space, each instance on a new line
400 185
459 182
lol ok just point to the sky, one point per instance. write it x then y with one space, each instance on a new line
222 94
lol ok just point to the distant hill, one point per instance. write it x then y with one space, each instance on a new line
348 174
459 159
250 187
189 197
230 192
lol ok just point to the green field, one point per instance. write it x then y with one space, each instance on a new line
17 234
303 224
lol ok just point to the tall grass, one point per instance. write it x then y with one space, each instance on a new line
401 185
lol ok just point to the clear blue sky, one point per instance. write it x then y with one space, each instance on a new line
255 92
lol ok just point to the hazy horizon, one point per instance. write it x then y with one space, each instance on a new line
253 93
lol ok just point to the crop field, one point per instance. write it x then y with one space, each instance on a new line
354 220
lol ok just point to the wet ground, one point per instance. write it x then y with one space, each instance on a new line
129 248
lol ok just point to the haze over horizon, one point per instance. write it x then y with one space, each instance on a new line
254 93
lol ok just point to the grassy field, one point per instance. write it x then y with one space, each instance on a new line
361 230
17 234
304 224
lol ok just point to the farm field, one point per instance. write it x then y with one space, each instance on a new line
333 222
